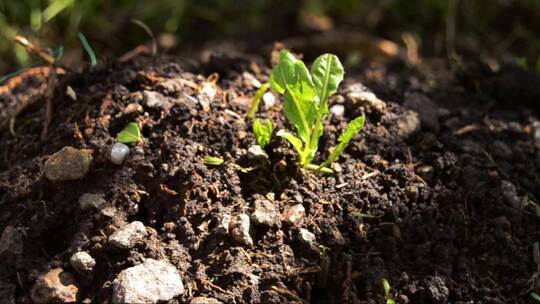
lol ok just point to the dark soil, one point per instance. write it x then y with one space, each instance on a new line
450 205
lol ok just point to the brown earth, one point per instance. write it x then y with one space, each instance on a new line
437 195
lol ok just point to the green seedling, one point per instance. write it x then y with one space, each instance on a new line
306 104
257 100
212 161
262 131
130 134
535 296
362 215
387 295
88 49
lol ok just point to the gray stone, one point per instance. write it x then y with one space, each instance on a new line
223 224
509 192
119 152
150 282
11 242
250 80
109 212
153 99
55 286
89 201
256 152
437 291
294 215
82 262
408 124
68 164
337 110
129 235
239 229
307 237
269 100
264 213
360 96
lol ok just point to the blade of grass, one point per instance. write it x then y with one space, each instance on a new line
88 49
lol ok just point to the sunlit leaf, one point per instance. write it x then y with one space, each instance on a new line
130 134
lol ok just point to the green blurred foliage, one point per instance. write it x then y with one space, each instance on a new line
485 26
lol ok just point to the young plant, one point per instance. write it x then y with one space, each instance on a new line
212 161
262 131
130 134
306 104
387 295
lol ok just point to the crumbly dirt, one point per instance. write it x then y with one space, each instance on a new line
428 206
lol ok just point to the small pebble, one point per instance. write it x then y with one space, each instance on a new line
408 124
129 235
256 152
307 237
269 100
89 201
150 282
82 262
264 213
119 152
509 192
294 214
11 241
68 164
337 110
224 223
239 229
55 286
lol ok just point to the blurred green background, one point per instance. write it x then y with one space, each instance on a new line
501 30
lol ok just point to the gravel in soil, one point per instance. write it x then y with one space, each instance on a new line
438 194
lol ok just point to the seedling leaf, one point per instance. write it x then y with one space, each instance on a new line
362 215
130 134
386 287
255 104
327 73
212 160
262 131
535 296
355 126
295 141
88 49
306 103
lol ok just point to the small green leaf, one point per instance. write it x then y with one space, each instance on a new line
352 129
130 134
390 301
295 141
88 49
386 287
327 73
292 78
212 160
360 214
257 100
535 296
262 131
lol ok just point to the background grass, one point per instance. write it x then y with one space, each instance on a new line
502 29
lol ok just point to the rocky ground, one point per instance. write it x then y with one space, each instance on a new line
438 195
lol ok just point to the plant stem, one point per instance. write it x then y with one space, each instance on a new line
318 168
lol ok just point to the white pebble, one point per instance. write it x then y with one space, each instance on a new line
337 110
119 152
269 100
